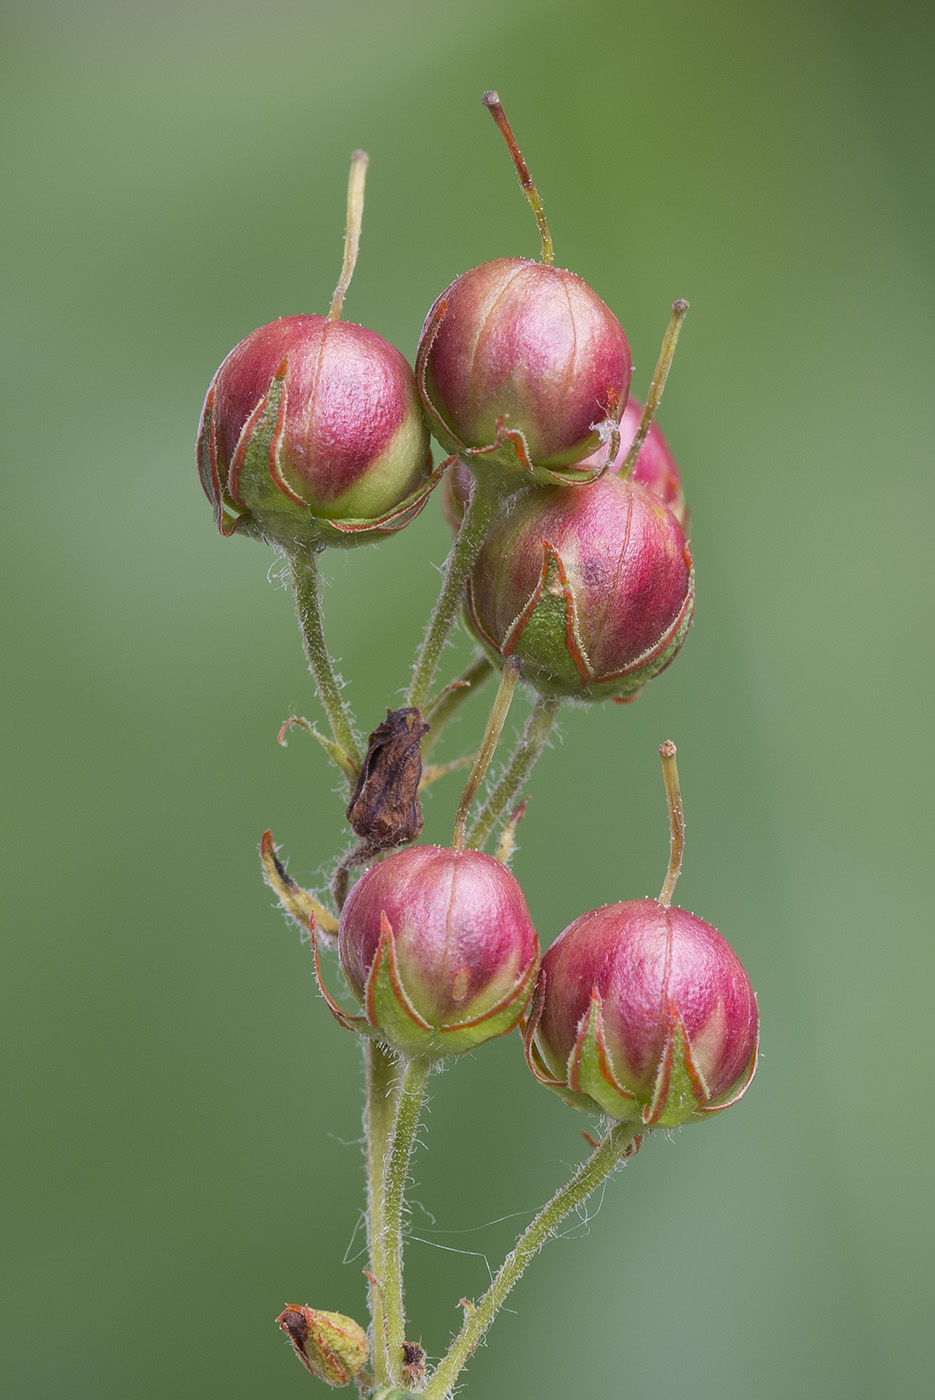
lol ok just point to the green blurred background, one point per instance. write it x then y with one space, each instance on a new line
181 1113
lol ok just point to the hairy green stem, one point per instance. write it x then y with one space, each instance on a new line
585 1180
410 1096
446 705
530 745
306 585
488 747
485 498
378 1123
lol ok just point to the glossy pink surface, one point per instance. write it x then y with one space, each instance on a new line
644 959
625 557
655 466
348 393
463 934
533 344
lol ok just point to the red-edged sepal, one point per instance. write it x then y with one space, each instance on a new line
360 1024
298 903
392 1016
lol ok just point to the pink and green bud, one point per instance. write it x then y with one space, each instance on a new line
312 435
332 1347
438 948
591 587
643 1012
523 367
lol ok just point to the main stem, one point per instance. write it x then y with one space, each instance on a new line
306 585
485 498
531 743
410 1096
378 1123
585 1180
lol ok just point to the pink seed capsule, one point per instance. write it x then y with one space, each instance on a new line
517 345
643 1011
522 368
438 947
592 587
312 434
312 431
646 1013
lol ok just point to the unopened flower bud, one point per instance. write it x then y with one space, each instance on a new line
646 1013
438 947
521 366
333 1347
643 1011
592 587
520 346
312 435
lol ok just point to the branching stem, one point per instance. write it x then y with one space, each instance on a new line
306 585
530 745
445 706
585 1180
485 498
498 714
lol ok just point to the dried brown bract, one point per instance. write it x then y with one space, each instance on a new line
384 809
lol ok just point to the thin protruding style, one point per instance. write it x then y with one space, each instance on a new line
663 365
670 773
355 214
491 101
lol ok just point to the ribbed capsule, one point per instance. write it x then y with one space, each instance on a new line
644 1012
312 434
524 365
592 587
438 948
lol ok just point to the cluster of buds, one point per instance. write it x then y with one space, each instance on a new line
572 564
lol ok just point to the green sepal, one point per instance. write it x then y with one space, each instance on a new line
679 1090
269 508
300 904
590 1072
359 1024
392 1016
547 639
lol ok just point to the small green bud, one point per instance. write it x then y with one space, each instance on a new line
329 1345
